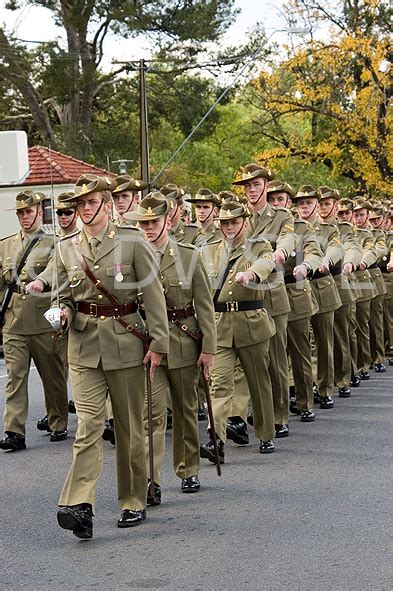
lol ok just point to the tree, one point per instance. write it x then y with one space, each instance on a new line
328 101
59 85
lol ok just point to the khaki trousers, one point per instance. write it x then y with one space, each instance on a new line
342 346
182 384
19 350
299 349
322 325
353 339
377 339
278 371
363 335
255 362
388 324
127 389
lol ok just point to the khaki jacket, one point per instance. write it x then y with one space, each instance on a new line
388 277
367 286
275 224
125 265
301 296
25 311
212 234
325 288
186 284
381 249
185 233
352 253
240 329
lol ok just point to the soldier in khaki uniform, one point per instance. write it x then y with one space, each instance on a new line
342 273
106 350
300 265
377 336
388 278
366 285
67 218
238 270
181 232
126 197
190 310
207 206
26 333
325 290
277 226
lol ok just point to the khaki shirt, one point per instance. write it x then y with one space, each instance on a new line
185 233
249 327
25 312
125 265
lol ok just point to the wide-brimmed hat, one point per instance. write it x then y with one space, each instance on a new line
125 182
152 207
226 196
345 205
307 191
204 195
360 203
278 186
232 209
27 198
92 183
254 171
328 193
376 211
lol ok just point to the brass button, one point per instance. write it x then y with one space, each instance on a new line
38 264
162 276
231 270
23 272
180 282
230 292
102 317
74 278
304 289
23 297
96 267
100 296
230 281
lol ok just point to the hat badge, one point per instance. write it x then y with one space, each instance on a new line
137 183
149 211
84 189
228 213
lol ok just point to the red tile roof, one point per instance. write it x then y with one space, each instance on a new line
64 169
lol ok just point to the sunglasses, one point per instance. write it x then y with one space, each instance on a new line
66 212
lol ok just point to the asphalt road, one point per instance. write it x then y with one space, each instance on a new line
317 514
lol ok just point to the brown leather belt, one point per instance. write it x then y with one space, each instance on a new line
180 313
94 310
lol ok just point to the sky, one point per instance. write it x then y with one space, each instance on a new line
33 23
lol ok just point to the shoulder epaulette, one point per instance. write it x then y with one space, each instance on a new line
6 237
71 235
186 245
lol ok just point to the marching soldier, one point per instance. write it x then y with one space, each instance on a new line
207 205
388 278
300 265
377 336
192 343
126 196
181 232
344 316
238 270
325 291
367 287
67 218
26 333
100 274
277 226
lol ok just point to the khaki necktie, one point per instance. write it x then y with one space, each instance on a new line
94 246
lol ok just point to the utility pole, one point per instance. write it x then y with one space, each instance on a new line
144 129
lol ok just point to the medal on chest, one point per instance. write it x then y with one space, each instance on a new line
119 275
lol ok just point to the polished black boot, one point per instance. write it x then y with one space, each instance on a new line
206 450
237 431
78 519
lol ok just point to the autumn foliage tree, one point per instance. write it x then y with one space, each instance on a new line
328 101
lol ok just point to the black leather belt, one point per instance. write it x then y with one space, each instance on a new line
94 310
373 266
237 306
319 275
